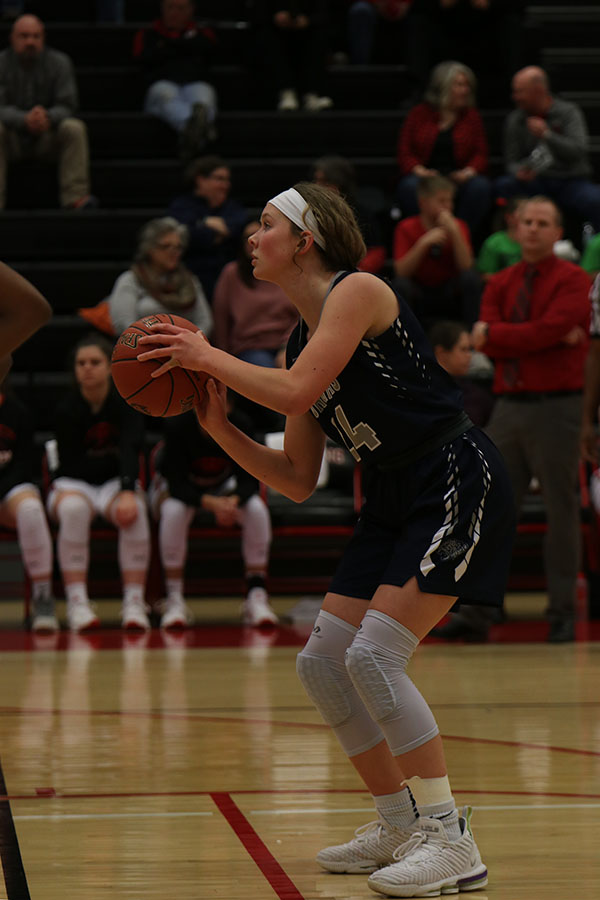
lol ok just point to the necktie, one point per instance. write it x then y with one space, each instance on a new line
519 313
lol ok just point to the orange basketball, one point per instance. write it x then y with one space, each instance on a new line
169 395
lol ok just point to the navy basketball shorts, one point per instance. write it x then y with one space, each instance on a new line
447 519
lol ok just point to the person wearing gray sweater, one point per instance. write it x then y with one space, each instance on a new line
546 149
38 99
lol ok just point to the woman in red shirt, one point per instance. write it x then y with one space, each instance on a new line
445 135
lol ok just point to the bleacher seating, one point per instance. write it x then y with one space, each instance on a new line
74 258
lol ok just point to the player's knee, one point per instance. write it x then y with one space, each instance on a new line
73 513
366 670
326 683
139 529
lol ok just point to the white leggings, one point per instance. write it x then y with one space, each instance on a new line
175 520
74 516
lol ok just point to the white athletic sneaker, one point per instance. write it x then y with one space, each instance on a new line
43 615
429 864
372 847
256 610
134 615
175 613
80 615
288 101
315 103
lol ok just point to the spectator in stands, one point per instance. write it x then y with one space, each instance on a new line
445 135
157 281
21 507
590 261
253 319
194 473
364 19
213 219
433 258
38 99
486 35
534 323
501 248
451 342
99 439
339 174
591 392
175 55
295 43
546 148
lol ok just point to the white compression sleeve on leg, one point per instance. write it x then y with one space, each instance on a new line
175 519
73 545
34 538
321 669
376 662
134 542
256 533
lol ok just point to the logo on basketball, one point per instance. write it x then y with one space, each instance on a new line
129 339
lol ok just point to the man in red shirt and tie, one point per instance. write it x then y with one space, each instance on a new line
534 324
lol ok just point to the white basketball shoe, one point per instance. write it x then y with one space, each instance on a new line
428 864
372 846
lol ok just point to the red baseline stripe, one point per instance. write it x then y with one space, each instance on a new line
264 859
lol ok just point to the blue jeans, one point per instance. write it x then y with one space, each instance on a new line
173 102
362 21
576 195
473 200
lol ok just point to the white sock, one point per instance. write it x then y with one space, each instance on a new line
174 588
41 588
397 810
76 591
133 593
434 800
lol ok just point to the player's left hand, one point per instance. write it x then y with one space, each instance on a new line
183 347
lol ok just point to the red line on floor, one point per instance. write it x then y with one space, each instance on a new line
283 886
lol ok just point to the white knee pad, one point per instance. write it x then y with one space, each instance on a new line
321 669
34 537
134 542
376 662
175 519
74 515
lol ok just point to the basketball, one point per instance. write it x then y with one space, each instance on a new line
172 393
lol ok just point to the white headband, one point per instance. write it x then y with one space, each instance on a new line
293 205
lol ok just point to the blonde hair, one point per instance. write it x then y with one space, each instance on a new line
441 80
344 243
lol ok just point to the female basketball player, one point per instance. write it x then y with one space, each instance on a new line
99 438
436 524
22 311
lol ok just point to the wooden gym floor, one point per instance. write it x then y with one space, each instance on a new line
192 765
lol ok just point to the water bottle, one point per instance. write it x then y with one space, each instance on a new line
587 233
51 448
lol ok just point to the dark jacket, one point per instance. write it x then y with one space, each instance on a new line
180 56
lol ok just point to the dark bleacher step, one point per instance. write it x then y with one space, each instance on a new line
104 44
135 10
120 88
67 285
48 351
41 391
128 183
572 68
100 234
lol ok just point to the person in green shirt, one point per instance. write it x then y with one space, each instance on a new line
590 261
501 248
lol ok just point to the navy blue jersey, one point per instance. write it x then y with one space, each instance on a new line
392 402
